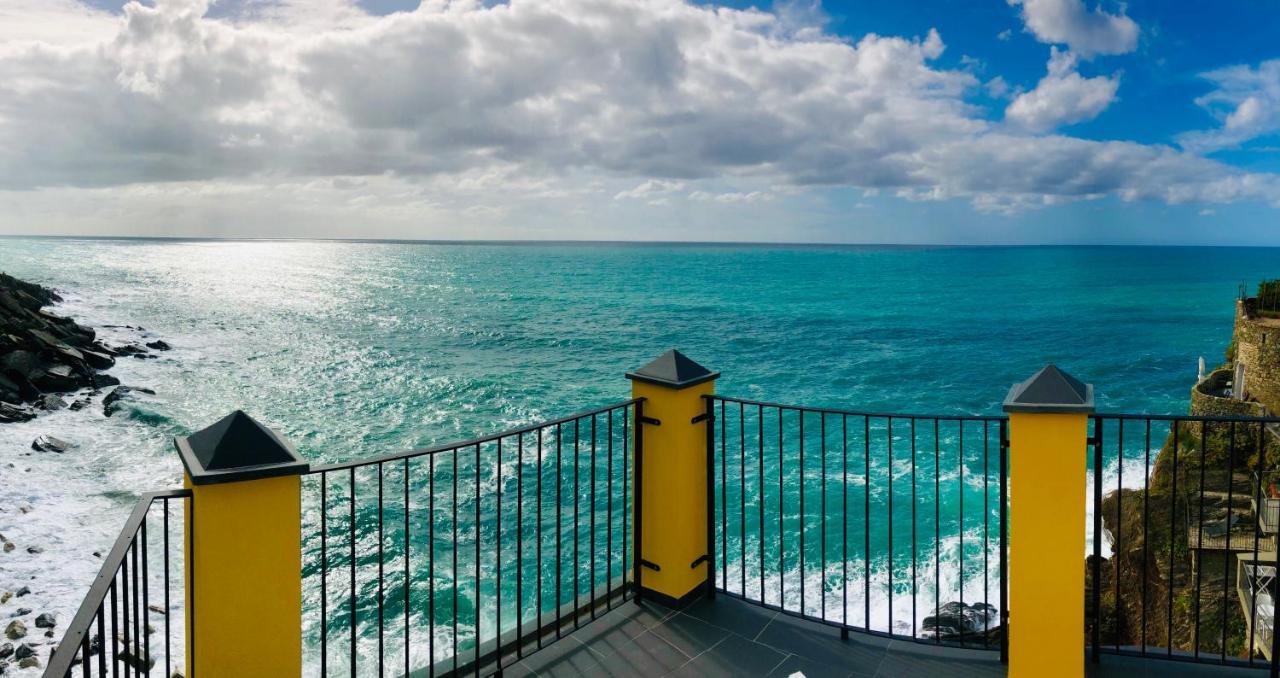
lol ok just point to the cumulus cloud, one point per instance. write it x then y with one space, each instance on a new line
1247 102
549 100
1062 97
1087 32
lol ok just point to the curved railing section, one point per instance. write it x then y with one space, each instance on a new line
886 524
468 556
113 632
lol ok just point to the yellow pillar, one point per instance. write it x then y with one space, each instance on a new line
243 551
1048 433
672 477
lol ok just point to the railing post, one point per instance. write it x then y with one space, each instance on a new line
243 553
1048 434
672 544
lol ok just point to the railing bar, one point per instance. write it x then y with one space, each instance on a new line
1173 510
1226 562
124 598
1004 543
497 567
937 530
324 574
760 493
351 505
914 555
538 553
577 501
724 505
85 648
1095 638
1190 418
102 643
801 516
638 503
822 507
431 562
626 481
464 444
560 524
168 611
1199 566
381 575
986 527
146 600
479 602
1146 491
519 549
608 540
1115 544
960 491
742 497
1261 504
591 570
115 632
453 573
866 524
889 523
860 413
782 512
407 581
844 527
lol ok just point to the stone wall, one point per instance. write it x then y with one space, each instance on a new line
1205 404
1257 342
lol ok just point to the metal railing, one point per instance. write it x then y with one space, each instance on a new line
1174 503
861 520
477 553
111 634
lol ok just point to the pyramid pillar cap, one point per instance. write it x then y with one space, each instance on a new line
675 370
236 448
1050 391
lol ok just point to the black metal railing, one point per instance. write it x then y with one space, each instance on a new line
112 633
466 557
878 523
1178 541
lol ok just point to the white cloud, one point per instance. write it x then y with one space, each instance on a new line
1086 32
533 108
1062 97
1247 102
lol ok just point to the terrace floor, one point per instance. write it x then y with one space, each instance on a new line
729 637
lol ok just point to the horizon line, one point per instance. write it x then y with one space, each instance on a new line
560 241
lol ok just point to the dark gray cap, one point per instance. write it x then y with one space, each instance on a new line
673 369
237 447
1050 390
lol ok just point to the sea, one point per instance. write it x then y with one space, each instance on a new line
356 349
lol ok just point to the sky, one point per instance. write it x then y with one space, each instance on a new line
938 121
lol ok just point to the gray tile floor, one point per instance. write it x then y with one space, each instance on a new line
728 637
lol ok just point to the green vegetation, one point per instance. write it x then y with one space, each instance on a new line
1268 303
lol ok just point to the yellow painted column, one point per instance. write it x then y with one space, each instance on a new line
672 477
243 551
1048 448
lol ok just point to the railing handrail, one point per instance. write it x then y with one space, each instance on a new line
457 445
860 413
64 655
1223 419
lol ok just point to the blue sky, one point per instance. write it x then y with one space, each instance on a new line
984 121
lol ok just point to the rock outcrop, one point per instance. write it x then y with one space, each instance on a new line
43 354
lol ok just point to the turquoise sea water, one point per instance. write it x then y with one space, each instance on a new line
357 349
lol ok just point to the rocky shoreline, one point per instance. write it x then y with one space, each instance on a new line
44 356
47 360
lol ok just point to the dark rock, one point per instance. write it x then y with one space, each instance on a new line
29 662
79 404
46 621
129 349
111 404
35 549
22 362
6 650
52 402
98 360
22 591
159 345
48 443
15 630
21 612
11 413
104 380
58 377
955 619
137 657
